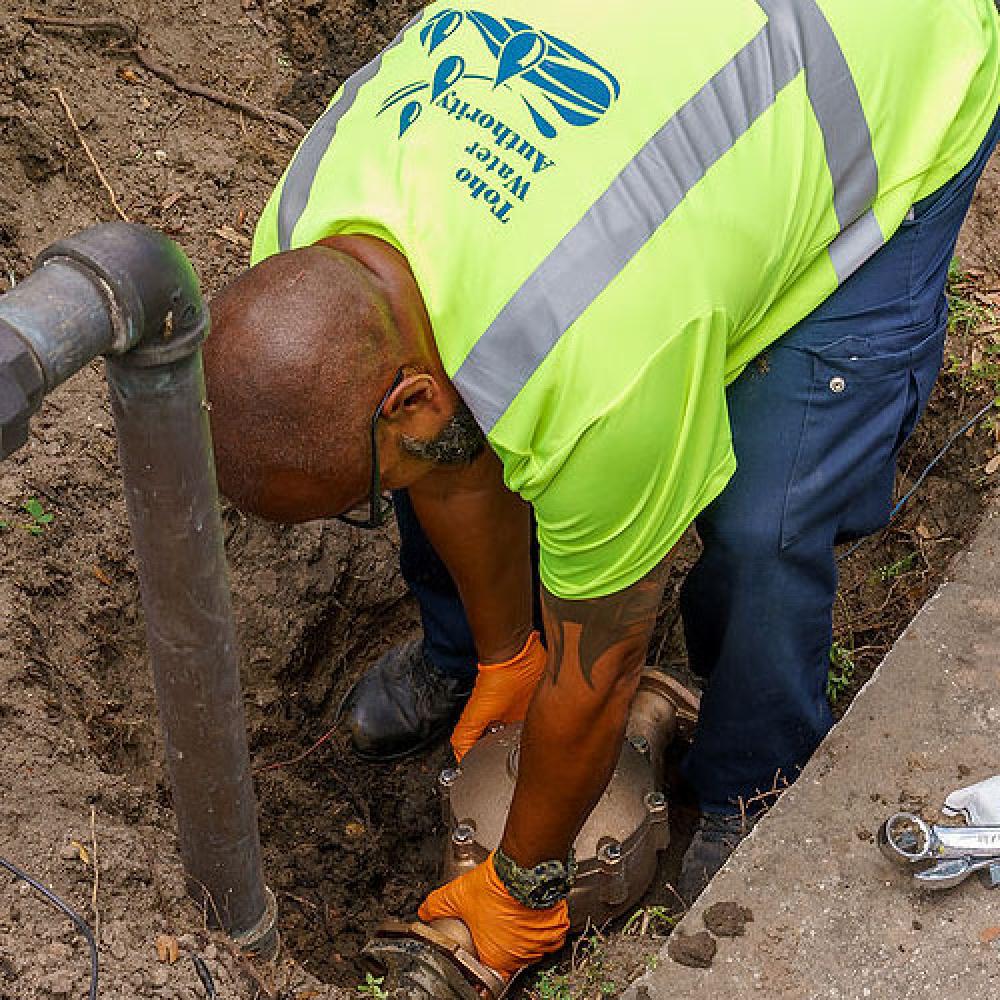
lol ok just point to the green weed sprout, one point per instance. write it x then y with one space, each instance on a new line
40 520
372 987
842 670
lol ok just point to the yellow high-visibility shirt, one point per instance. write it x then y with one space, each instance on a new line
611 208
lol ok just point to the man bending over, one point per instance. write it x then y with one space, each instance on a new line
569 279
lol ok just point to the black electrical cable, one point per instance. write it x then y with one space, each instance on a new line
204 975
81 924
898 509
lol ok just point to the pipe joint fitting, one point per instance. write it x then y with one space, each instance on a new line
22 386
150 288
262 940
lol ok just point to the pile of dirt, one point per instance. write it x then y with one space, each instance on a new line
345 844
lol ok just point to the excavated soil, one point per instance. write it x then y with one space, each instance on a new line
345 843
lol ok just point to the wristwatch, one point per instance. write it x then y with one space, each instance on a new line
538 888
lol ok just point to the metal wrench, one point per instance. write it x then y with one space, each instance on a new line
948 854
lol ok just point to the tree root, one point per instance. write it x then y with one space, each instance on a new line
130 34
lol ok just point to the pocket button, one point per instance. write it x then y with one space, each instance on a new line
838 384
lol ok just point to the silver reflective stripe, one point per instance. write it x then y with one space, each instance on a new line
624 218
855 245
835 101
619 224
846 136
304 167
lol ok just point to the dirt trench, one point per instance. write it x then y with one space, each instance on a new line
345 843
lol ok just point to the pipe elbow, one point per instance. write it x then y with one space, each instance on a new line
151 290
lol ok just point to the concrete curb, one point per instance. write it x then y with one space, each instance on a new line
832 917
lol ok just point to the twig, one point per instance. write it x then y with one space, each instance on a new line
131 34
778 786
97 875
211 899
90 156
680 899
226 100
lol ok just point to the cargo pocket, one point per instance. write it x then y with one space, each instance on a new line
863 403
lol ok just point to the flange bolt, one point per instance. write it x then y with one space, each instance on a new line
463 834
611 853
656 802
449 776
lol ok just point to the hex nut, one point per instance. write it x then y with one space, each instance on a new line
449 776
464 833
22 386
610 853
656 802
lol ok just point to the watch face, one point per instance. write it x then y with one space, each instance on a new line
540 887
548 894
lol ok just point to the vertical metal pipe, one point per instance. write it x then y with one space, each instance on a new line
130 292
170 487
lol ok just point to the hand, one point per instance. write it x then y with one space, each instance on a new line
501 694
508 935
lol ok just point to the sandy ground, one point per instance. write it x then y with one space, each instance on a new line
344 844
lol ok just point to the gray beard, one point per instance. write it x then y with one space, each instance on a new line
460 442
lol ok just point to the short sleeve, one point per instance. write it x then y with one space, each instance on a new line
635 479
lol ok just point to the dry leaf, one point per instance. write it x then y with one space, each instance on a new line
128 74
230 235
993 465
167 949
170 200
81 852
989 935
102 576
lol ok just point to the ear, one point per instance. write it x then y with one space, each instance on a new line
416 396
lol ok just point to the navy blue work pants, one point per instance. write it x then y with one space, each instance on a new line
817 423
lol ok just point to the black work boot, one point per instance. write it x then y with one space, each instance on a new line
714 840
402 705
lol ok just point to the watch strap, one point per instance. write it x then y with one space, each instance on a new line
538 888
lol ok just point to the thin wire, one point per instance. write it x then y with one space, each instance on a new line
302 756
81 924
898 509
325 738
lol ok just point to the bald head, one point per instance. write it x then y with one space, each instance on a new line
302 348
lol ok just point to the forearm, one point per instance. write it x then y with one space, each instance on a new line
482 532
576 722
569 748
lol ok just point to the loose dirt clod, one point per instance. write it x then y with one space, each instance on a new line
727 919
696 951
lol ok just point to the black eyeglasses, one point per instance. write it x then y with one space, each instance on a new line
379 505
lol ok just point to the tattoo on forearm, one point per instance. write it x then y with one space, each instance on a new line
602 623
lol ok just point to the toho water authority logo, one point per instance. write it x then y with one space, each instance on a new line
555 80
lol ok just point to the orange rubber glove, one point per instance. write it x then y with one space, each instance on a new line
501 694
508 935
